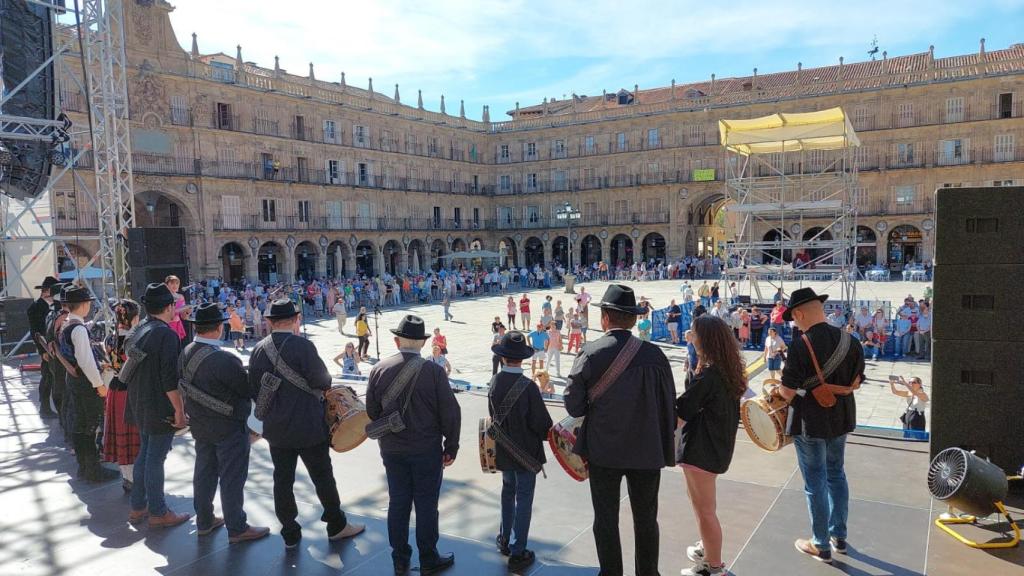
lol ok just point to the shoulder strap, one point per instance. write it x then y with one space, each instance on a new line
510 399
281 367
193 393
501 437
617 367
833 362
410 370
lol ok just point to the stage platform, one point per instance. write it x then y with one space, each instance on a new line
52 525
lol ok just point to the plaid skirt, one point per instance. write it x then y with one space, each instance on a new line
120 439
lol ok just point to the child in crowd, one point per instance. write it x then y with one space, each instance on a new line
237 328
644 328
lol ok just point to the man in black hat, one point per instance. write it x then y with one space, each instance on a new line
215 388
625 389
85 385
37 312
287 378
824 412
522 421
150 372
54 322
405 387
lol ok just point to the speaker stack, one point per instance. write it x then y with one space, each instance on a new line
154 254
978 349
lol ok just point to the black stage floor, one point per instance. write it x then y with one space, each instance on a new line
53 525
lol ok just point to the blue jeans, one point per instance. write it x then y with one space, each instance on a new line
828 496
903 344
413 479
228 462
705 301
148 473
517 489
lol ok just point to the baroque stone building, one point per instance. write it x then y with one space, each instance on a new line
278 175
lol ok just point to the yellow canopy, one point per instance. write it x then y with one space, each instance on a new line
823 130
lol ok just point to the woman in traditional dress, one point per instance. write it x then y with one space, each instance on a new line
120 439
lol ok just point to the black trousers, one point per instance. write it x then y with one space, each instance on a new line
317 460
642 486
45 386
495 364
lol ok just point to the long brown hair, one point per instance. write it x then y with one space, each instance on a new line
718 346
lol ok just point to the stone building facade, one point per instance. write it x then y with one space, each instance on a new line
277 175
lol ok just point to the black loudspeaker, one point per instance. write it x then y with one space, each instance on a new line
977 365
142 276
25 44
156 247
14 322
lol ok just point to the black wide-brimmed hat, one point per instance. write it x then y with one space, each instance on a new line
799 297
75 294
282 308
208 313
158 294
621 298
411 327
513 345
58 290
48 282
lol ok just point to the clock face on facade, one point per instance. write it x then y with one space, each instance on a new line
191 188
684 193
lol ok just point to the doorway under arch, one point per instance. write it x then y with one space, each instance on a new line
654 247
621 250
590 250
270 263
232 258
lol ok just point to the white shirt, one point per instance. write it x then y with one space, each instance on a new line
83 353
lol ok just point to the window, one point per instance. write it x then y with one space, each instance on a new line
476 217
457 216
621 211
364 174
1006 105
588 145
505 183
505 216
263 124
590 215
503 153
620 140
904 154
433 149
1004 148
334 221
299 128
269 210
558 149
224 117
955 109
696 135
333 172
904 195
437 216
222 72
179 111
620 175
905 114
951 152
302 211
331 132
589 179
558 180
860 117
231 213
1002 182
532 215
531 150
653 173
531 181
359 137
653 140
302 167
386 142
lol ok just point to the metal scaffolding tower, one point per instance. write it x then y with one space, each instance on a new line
98 34
792 179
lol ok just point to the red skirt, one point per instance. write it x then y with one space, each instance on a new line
120 439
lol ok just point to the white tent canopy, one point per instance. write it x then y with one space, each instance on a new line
823 130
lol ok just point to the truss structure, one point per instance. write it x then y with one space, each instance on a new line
796 215
98 32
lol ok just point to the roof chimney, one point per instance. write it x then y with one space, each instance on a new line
885 61
712 82
342 78
931 56
981 49
799 71
840 74
370 89
673 89
442 105
462 108
277 66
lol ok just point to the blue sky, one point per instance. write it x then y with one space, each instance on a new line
498 53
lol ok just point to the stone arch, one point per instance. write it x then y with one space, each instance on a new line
232 257
438 249
366 256
621 250
560 250
417 256
509 256
533 252
814 256
772 255
459 245
161 208
590 250
904 245
866 252
338 256
393 257
306 255
653 246
270 265
477 244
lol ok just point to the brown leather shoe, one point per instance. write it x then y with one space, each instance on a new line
253 533
217 523
168 520
137 516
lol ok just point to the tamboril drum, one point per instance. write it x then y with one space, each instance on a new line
346 418
764 418
562 438
488 448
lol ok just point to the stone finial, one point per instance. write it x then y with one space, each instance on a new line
370 88
277 66
712 81
195 45
311 75
839 75
342 78
931 56
673 94
397 98
443 111
981 47
517 106
419 99
487 114
462 108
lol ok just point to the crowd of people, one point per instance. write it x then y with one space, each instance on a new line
124 400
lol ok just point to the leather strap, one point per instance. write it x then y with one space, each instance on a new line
281 367
833 388
501 437
617 367
195 394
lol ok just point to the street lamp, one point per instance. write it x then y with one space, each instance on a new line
568 213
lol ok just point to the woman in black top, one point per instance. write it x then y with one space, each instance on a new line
710 413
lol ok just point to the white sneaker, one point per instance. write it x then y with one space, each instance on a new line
702 568
696 552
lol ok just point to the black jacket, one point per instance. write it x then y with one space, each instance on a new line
712 416
37 313
632 425
296 419
148 406
527 423
222 376
434 418
808 416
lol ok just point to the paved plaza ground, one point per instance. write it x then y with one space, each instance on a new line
54 525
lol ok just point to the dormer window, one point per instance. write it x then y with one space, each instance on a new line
748 86
625 97
693 94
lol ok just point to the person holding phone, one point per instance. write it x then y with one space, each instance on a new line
917 401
